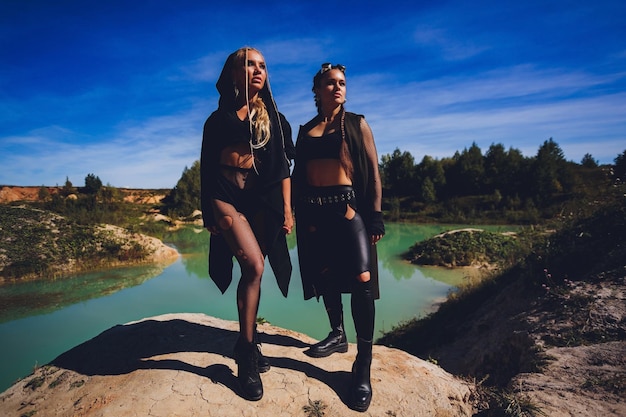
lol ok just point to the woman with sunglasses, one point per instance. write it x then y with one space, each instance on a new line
246 197
338 194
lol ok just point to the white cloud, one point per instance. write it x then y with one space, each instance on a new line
518 107
148 154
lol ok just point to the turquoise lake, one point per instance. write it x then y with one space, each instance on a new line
41 320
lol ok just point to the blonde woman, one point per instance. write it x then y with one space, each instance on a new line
246 197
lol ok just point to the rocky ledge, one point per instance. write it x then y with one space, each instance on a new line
182 365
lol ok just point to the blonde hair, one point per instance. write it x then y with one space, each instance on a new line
260 125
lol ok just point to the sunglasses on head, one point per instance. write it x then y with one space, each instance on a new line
327 66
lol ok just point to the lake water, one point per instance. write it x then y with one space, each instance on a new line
41 320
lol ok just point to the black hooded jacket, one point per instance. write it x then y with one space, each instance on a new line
222 129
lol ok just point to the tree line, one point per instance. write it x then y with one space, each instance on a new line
501 185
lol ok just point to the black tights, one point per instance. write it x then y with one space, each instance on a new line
243 243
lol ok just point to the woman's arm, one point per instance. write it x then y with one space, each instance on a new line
375 189
286 188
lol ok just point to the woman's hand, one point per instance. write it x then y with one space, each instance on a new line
376 226
213 230
288 224
375 238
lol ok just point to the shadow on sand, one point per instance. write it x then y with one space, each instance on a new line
125 348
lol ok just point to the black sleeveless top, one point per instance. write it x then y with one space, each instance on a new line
324 147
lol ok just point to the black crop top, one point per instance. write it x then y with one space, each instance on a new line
325 147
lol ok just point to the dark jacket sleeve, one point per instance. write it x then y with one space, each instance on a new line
366 180
208 164
290 149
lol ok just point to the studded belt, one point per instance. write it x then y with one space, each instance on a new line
330 199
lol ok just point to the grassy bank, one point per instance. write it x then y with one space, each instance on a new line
555 296
42 244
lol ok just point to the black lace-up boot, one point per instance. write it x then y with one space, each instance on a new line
264 362
247 358
360 387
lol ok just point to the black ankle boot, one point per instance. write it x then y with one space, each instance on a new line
335 342
336 339
247 358
264 363
360 387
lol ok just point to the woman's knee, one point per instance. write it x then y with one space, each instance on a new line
251 267
363 276
225 222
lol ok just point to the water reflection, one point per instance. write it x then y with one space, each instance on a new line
19 300
193 243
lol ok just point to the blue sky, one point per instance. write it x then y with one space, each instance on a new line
121 89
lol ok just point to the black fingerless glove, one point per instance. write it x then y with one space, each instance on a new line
375 225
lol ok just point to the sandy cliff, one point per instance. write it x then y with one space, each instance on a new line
181 365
